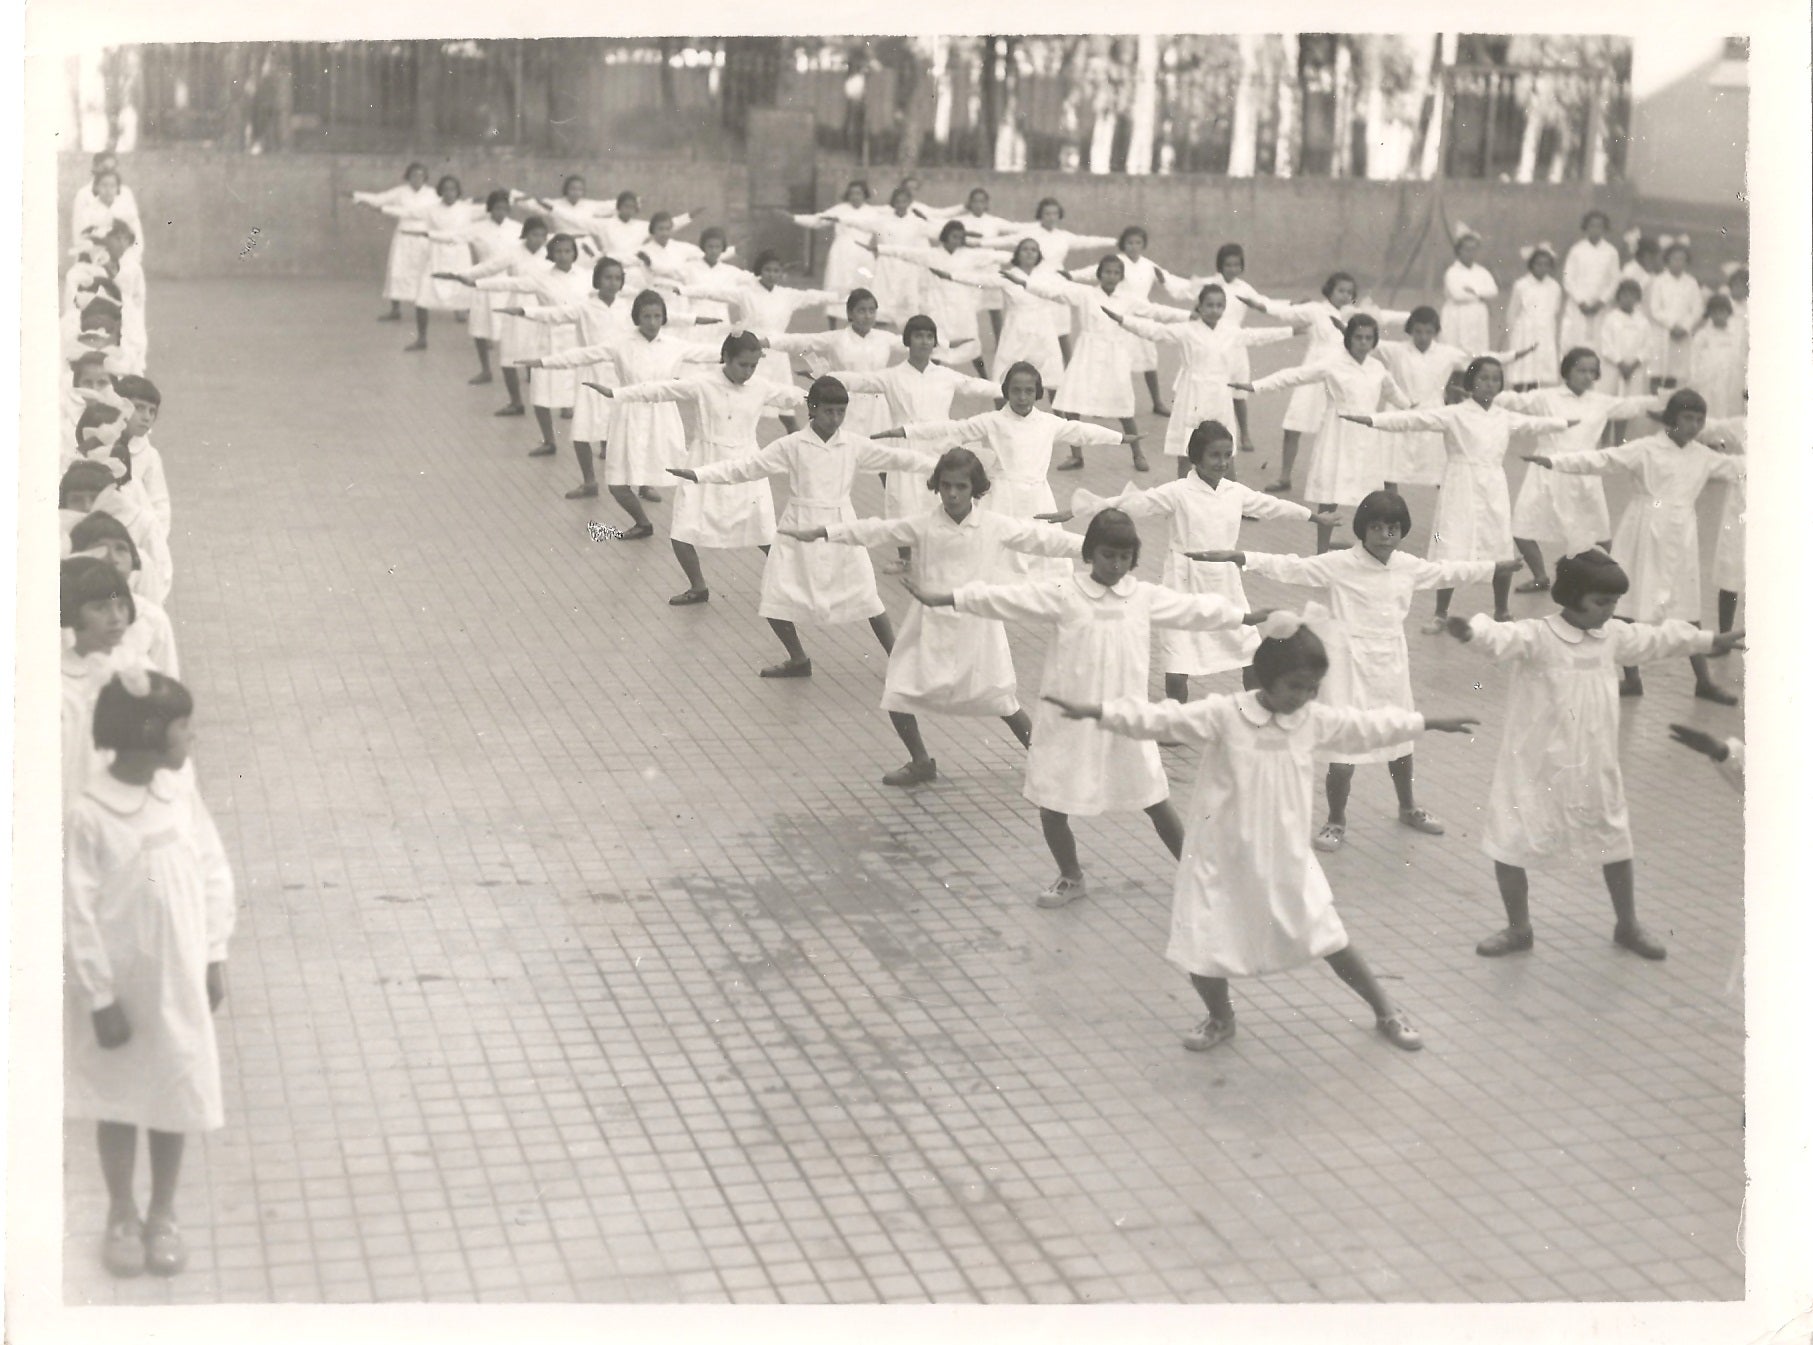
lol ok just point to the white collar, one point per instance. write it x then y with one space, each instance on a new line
973 519
1259 716
1096 592
1569 633
115 795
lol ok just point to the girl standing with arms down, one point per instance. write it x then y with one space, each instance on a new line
1558 791
409 244
1102 650
1589 279
1468 288
1250 898
1532 318
1676 305
149 910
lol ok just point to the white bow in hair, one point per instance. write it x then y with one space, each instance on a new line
1667 241
136 679
1529 250
1632 237
1464 231
1282 623
1729 269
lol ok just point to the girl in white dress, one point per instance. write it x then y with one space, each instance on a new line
1056 243
1532 319
487 238
409 244
896 281
1468 288
1324 322
663 259
845 263
561 282
1250 898
148 912
1557 790
1349 462
763 304
101 200
1018 439
1473 511
1676 305
918 389
1644 266
730 404
1028 332
572 213
712 264
515 338
1369 591
1625 338
1589 279
1205 510
1212 358
1230 274
1729 435
944 661
1101 649
1567 512
859 345
1098 381
446 221
150 639
1718 360
830 586
626 237
97 608
978 223
1658 536
947 296
1140 275
1425 370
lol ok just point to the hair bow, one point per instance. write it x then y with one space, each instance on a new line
136 679
1463 231
1632 237
1667 241
1282 623
1729 269
1529 250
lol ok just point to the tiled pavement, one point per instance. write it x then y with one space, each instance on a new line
575 963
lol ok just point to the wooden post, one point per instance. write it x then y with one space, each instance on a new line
516 93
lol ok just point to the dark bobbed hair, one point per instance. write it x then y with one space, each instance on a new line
569 180
86 579
1129 231
1474 367
1111 527
1302 652
1211 288
124 722
738 343
530 223
711 232
1381 506
445 179
568 239
1423 313
1721 302
1206 433
919 322
629 196
1112 259
1685 400
495 195
1634 286
1359 322
1023 367
1530 260
659 218
648 299
85 474
1335 278
1049 200
868 192
1574 356
604 264
1588 572
859 296
1677 246
99 527
1592 215
1032 243
120 229
951 227
827 391
956 460
1227 250
414 168
764 257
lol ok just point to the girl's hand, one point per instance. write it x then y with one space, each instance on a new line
1626 369
643 258
1460 725
942 275
1509 566
1241 387
534 363
602 391
1358 420
896 433
112 1029
1254 617
1729 639
1703 743
1572 423
1076 709
1538 459
217 985
698 210
1218 557
1058 516
1250 303
803 534
873 246
1332 520
684 473
1459 628
930 597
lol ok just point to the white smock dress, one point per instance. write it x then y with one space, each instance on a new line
761 309
1557 790
1625 338
944 661
1730 436
1102 650
1416 457
644 438
1348 462
1568 512
597 326
1250 897
1533 318
845 348
1675 301
488 239
1099 378
1368 600
1209 360
148 904
550 287
517 338
1203 518
1189 290
409 244
449 249
951 303
848 258
1466 315
912 395
1588 276
1324 326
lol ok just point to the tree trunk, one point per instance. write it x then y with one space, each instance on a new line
1430 167
1290 92
1007 135
1145 105
991 102
1341 161
1384 133
1243 149
941 93
1533 102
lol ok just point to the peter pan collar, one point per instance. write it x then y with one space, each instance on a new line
1569 633
1096 592
116 796
1258 716
81 665
973 519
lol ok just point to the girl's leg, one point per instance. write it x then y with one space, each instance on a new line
1215 997
484 360
512 386
1352 968
1621 882
1514 892
1183 468
1062 844
1177 686
1021 724
1501 595
1539 573
1158 402
995 316
1436 624
1246 436
1064 348
1704 688
118 1146
166 1166
395 314
696 591
797 664
421 330
1129 426
1075 460
1727 610
1337 787
587 488
1323 530
884 631
1403 779
907 727
627 501
545 419
1291 439
1169 827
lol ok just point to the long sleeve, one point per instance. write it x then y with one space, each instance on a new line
1634 643
774 460
1407 422
1347 730
1503 641
1577 277
1303 571
1192 611
659 390
1533 426
1451 573
1133 502
1197 722
874 532
1297 376
802 343
502 262
554 314
579 357
1039 539
861 380
1257 504
969 430
507 284
1079 433
1599 461
1033 601
873 455
148 471
788 399
812 221
1261 336
89 965
217 880
1161 332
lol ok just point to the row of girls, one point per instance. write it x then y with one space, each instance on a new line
984 546
148 894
